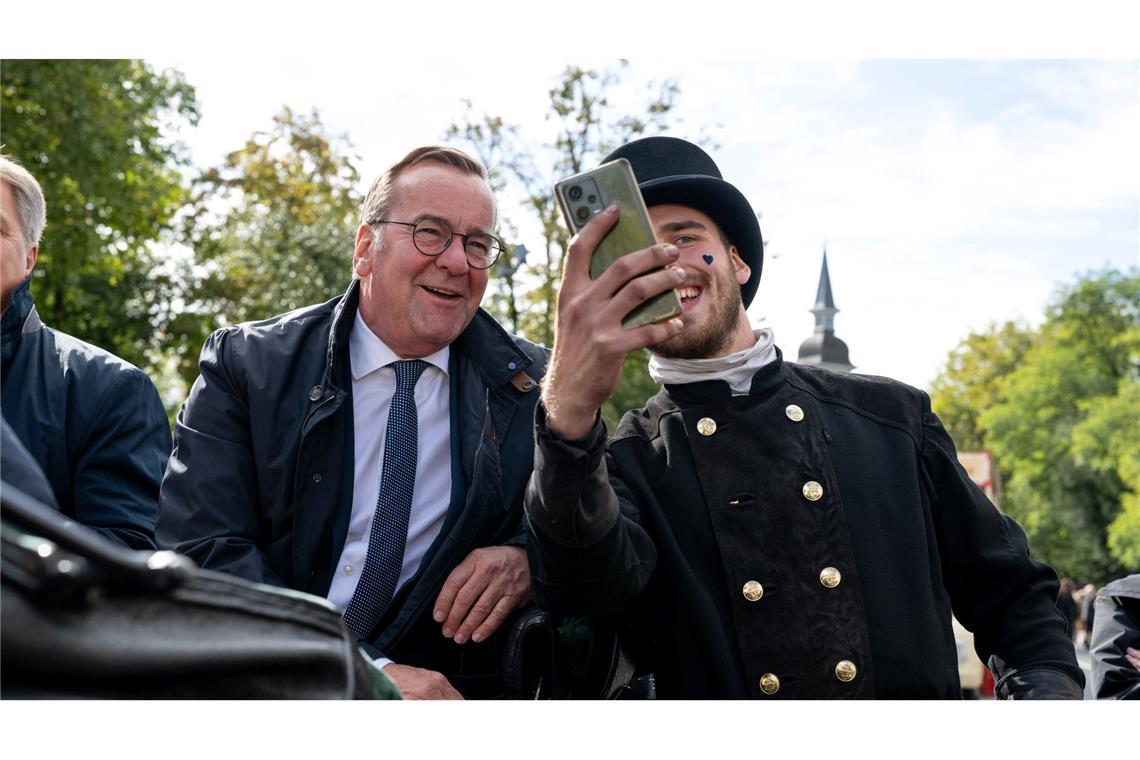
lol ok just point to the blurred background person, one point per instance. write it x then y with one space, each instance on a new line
1067 605
1115 644
92 422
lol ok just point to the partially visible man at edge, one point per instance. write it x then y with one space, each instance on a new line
281 471
93 423
765 529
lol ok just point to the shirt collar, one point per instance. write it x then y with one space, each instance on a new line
368 353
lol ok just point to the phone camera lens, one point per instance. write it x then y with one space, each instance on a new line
583 212
592 199
575 193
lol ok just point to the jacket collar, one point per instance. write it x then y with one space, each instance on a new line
483 342
336 350
19 319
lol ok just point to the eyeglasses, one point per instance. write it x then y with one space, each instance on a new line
431 237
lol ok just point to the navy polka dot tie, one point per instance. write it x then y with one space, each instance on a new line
389 533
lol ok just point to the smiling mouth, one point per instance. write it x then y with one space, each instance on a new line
689 294
439 292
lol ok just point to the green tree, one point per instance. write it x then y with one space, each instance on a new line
1059 413
591 113
973 379
101 138
272 229
1108 441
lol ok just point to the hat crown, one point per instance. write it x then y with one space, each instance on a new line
674 171
658 157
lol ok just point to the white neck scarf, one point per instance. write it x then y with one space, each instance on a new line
735 369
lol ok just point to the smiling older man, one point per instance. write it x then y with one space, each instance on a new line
374 449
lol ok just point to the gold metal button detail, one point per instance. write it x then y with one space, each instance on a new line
795 413
830 577
706 426
845 671
813 491
753 591
769 684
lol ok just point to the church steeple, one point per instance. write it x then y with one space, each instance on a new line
824 309
823 349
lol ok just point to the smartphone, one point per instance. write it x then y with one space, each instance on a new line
591 192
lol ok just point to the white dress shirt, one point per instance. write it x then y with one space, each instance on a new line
373 386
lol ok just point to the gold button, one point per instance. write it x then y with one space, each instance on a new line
706 426
830 577
813 491
769 684
795 413
753 591
845 671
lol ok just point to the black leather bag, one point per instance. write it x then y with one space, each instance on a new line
572 658
83 618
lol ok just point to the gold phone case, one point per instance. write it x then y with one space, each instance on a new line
588 193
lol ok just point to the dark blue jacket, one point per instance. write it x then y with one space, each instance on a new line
260 482
93 422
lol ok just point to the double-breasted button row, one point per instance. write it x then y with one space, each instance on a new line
706 426
813 491
845 671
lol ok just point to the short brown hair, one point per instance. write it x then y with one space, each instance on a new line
379 200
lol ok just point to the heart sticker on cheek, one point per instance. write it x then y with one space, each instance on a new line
707 258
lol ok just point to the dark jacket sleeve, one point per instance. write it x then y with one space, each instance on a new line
117 474
209 503
20 469
1116 627
588 553
997 589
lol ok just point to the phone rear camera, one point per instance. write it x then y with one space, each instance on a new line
575 193
592 199
583 212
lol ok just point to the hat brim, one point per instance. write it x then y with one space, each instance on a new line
726 206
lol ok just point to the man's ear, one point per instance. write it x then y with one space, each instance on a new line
743 271
30 260
362 253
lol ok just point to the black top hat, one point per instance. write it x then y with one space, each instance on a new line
670 170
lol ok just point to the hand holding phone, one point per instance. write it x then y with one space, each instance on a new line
605 307
587 194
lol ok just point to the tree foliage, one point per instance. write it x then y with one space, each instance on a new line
100 136
591 113
974 379
272 229
1059 409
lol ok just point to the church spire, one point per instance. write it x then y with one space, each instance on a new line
824 309
823 349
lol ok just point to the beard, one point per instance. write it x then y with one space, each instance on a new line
709 339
